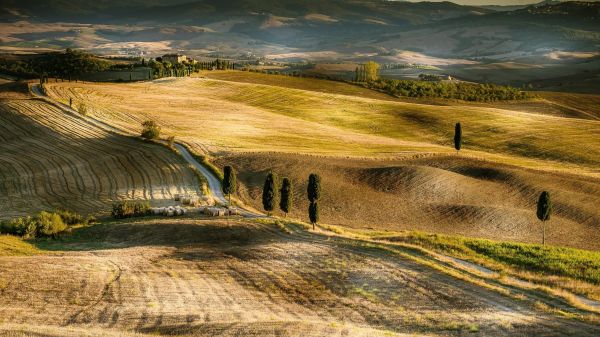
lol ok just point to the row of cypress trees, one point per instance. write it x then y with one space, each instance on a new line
273 193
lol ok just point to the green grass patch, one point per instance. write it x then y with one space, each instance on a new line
549 260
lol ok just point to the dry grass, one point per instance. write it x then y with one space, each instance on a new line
49 159
190 277
233 116
442 194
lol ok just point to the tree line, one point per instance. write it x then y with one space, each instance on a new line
279 195
474 92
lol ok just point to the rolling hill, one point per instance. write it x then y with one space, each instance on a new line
50 160
375 152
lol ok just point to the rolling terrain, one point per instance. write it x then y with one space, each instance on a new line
386 163
50 159
198 277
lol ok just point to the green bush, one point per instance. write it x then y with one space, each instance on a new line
126 209
44 224
49 224
150 130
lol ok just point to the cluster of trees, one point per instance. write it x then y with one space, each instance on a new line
218 65
126 209
367 72
279 195
160 68
44 224
69 64
450 90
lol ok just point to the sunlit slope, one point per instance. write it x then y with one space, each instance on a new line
233 116
446 194
50 159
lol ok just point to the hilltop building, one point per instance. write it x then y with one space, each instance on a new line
174 58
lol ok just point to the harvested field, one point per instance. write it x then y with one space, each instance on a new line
50 159
209 278
412 179
441 194
230 116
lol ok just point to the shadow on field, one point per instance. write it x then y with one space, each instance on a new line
156 232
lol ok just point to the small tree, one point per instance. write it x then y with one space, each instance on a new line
285 204
313 213
150 130
269 196
544 210
229 181
457 137
371 71
313 192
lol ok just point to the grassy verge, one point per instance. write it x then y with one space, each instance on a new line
574 270
13 245
202 159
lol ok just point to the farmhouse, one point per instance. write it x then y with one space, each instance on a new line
174 58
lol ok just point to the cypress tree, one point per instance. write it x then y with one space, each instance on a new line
457 137
285 204
314 187
313 192
313 213
229 181
544 210
269 196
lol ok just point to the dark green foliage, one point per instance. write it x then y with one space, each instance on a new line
68 64
544 210
457 136
450 90
229 181
150 130
314 187
45 224
286 202
128 209
313 212
270 192
544 206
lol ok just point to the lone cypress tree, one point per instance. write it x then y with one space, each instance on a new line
269 196
313 213
313 192
457 137
229 181
544 210
285 204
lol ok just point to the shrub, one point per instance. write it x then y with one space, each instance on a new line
44 224
150 130
82 109
127 209
49 224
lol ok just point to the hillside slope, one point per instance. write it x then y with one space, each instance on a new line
195 277
412 180
49 159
